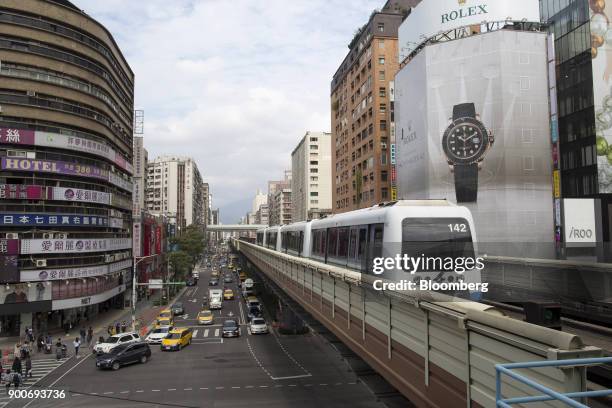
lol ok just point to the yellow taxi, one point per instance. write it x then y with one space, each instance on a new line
228 294
177 338
214 274
163 322
166 313
205 317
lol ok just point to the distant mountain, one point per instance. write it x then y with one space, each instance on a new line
232 212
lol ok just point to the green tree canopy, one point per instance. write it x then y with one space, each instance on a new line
191 243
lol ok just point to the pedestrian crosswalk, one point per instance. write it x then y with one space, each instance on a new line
206 333
40 368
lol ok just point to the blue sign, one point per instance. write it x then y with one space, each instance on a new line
49 220
554 129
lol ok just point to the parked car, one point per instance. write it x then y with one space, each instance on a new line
258 326
178 309
124 354
231 328
157 335
114 341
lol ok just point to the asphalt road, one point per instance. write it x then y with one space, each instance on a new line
249 371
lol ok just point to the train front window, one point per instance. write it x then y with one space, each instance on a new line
437 237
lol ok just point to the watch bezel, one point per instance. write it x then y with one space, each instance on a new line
485 140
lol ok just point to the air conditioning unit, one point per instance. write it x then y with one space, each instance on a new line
61 236
12 235
383 145
31 155
41 263
47 235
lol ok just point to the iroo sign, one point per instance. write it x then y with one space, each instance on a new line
580 221
432 17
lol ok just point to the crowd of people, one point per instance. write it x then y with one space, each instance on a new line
21 368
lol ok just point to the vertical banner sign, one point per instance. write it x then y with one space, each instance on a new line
556 184
554 132
158 240
136 240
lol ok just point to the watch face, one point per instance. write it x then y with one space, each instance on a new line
465 140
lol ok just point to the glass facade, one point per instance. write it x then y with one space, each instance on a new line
570 22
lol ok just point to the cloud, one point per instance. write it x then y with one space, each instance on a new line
234 84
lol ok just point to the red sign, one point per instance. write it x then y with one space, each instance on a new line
18 191
158 240
16 136
9 246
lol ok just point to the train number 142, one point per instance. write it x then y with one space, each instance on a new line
457 227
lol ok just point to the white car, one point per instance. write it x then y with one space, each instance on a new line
113 341
258 326
156 335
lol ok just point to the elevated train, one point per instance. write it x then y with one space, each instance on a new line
352 240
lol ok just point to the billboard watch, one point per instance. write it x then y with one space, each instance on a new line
478 135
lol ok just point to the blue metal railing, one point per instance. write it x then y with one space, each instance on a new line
548 393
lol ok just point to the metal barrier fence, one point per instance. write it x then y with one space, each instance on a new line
549 394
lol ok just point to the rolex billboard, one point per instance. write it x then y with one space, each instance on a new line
431 17
472 126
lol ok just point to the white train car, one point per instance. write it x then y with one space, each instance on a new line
295 239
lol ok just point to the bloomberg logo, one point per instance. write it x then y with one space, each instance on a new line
464 12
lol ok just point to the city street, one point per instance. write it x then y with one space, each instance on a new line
252 370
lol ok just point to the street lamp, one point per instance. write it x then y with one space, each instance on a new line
137 260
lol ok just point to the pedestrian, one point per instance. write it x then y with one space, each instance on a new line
58 349
109 330
7 378
16 379
89 336
17 349
123 326
40 343
82 333
117 328
28 365
76 343
17 367
112 331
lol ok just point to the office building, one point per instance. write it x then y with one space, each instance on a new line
281 207
361 106
311 176
66 167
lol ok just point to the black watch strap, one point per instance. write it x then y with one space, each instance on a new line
464 110
466 182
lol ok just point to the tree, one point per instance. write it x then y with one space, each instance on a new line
191 243
180 261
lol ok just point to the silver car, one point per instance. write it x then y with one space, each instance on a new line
258 326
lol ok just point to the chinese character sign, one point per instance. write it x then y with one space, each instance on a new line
49 220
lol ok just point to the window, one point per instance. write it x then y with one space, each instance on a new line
314 162
314 194
383 125
314 170
382 92
314 139
381 60
385 193
381 75
383 108
381 27
381 43
314 147
314 178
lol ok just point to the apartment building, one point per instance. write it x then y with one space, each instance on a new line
175 186
311 176
361 111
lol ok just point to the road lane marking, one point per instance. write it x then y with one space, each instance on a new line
124 392
236 387
155 390
290 377
203 388
195 333
216 332
171 389
206 333
187 389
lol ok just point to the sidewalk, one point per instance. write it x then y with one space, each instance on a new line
145 314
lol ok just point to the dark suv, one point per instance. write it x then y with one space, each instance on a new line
178 309
124 354
231 328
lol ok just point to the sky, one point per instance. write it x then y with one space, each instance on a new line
233 84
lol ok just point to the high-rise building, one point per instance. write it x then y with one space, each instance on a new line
311 176
259 199
281 207
361 106
66 167
582 122
175 186
262 215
